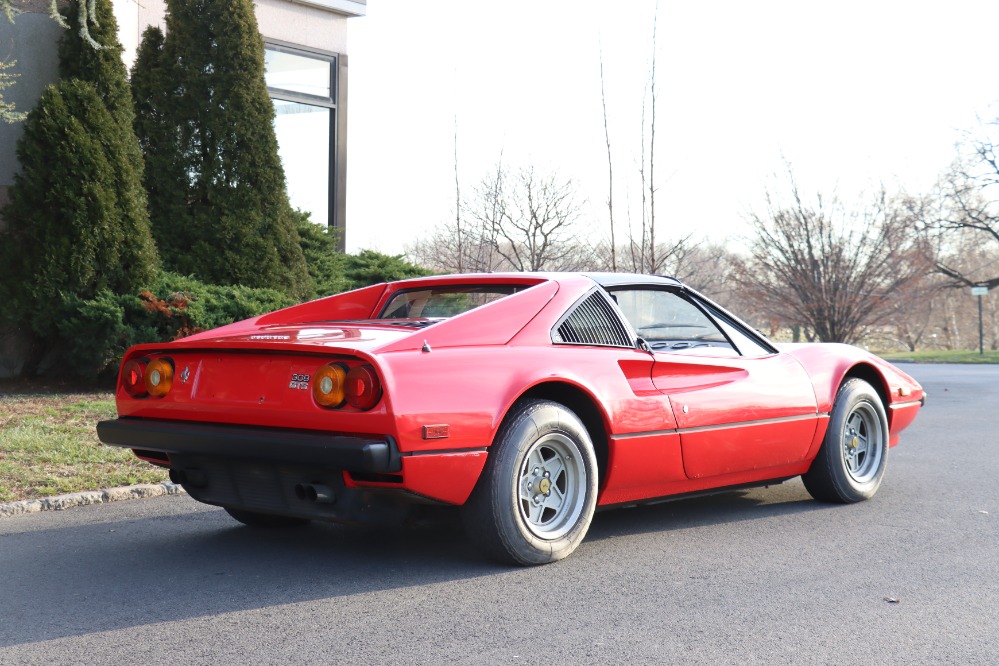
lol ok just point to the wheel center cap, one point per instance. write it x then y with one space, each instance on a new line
855 442
545 486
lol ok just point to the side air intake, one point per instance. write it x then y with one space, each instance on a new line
592 322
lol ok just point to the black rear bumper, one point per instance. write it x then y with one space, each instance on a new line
275 445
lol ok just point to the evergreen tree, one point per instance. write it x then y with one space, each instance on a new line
76 221
326 263
79 59
153 88
368 267
223 212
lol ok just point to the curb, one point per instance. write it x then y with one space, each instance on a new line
60 502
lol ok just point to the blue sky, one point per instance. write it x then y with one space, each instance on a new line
852 94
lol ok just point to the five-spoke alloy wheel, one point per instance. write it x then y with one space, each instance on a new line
552 486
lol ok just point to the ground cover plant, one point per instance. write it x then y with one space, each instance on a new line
49 445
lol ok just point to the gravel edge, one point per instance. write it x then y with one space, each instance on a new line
60 502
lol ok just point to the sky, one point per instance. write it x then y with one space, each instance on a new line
849 94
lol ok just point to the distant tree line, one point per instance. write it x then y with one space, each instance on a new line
891 270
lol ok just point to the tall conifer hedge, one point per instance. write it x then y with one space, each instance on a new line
76 224
216 186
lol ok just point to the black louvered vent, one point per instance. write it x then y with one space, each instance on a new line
593 322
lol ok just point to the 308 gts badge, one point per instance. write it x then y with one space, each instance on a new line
300 382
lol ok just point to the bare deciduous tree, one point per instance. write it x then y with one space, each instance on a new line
8 113
832 270
644 251
968 212
455 248
535 219
524 221
610 170
653 263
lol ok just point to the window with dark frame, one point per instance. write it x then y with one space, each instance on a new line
304 86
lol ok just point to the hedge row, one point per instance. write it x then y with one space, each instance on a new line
96 332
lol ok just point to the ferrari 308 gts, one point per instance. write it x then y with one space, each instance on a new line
529 400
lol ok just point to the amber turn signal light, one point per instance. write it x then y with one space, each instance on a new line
328 385
159 377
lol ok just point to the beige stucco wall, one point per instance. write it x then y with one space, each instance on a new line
282 20
31 42
299 24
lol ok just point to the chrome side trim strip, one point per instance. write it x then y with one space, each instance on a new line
647 433
740 424
438 452
723 426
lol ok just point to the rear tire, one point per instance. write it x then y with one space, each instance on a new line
265 520
535 499
851 463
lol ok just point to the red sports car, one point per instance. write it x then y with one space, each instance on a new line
527 399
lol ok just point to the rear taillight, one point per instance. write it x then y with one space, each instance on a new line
133 378
141 377
363 388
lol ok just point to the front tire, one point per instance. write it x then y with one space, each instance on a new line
851 463
538 491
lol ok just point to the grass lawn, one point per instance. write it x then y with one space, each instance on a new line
49 446
938 356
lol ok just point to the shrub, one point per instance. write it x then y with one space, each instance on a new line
97 331
369 267
325 262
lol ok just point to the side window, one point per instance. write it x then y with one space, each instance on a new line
745 344
669 322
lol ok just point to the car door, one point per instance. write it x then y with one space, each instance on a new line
739 404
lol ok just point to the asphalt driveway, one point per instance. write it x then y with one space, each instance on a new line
762 576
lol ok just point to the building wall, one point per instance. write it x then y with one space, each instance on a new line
281 20
31 42
308 26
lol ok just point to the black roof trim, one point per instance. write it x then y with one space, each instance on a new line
622 279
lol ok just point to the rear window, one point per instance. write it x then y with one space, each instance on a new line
438 302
